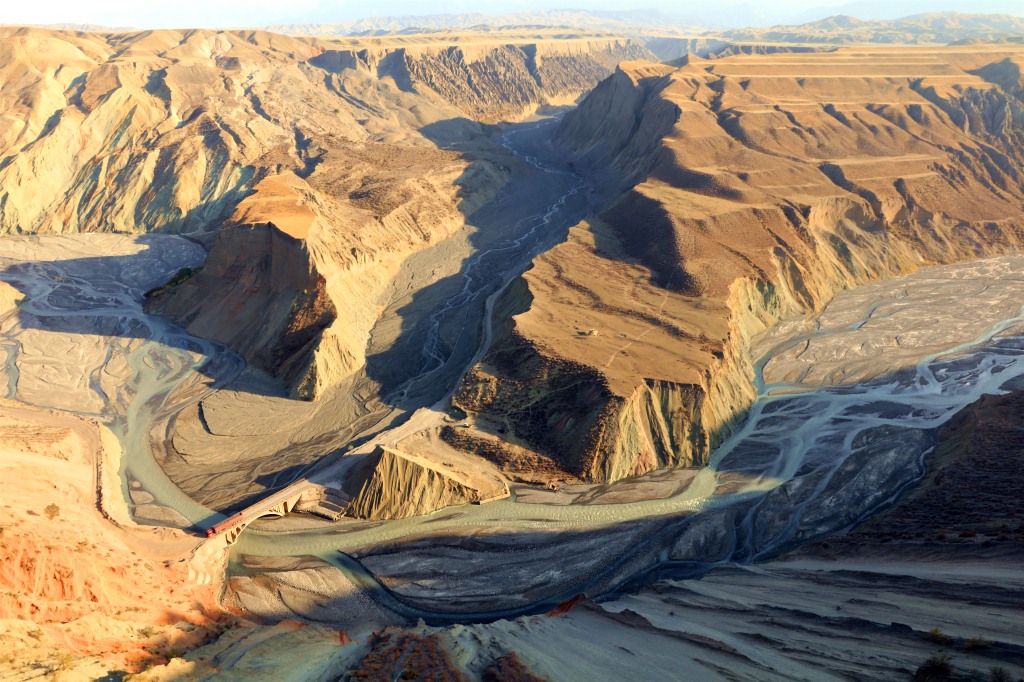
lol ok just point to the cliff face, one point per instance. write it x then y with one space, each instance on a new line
397 485
260 291
494 82
171 130
759 187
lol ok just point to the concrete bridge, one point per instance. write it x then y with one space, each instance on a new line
303 495
210 557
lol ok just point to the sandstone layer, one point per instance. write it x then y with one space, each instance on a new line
396 485
170 130
84 591
738 192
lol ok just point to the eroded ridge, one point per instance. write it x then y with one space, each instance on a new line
737 192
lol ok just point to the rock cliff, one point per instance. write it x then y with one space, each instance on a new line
168 130
396 485
737 192
261 292
171 130
493 82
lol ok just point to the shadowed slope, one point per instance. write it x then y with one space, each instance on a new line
743 190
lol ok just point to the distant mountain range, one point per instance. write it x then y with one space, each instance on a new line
932 27
581 19
836 29
95 28
935 27
890 9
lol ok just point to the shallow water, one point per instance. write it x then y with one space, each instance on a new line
809 460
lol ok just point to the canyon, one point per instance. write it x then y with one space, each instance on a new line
601 359
755 188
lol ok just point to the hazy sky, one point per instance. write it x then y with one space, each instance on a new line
223 13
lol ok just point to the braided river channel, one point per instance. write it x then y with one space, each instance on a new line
849 403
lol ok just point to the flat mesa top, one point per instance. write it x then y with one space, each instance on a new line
277 201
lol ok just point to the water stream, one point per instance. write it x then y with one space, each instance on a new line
101 295
806 462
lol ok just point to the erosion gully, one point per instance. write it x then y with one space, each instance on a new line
806 462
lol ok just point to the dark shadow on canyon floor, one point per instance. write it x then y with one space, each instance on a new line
442 323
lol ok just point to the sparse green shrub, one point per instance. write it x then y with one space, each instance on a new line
63 661
179 277
976 643
938 636
52 511
936 669
998 675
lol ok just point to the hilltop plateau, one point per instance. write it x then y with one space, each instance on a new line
512 353
739 191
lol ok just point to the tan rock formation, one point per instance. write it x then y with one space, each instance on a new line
261 292
169 130
492 82
740 191
83 590
294 280
9 298
397 485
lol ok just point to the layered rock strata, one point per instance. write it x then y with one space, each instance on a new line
493 82
396 485
168 130
171 130
261 291
738 192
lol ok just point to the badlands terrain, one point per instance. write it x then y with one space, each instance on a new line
512 354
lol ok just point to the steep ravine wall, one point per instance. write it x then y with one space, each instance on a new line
494 82
942 187
167 130
261 294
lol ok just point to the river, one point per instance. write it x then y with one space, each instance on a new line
808 461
